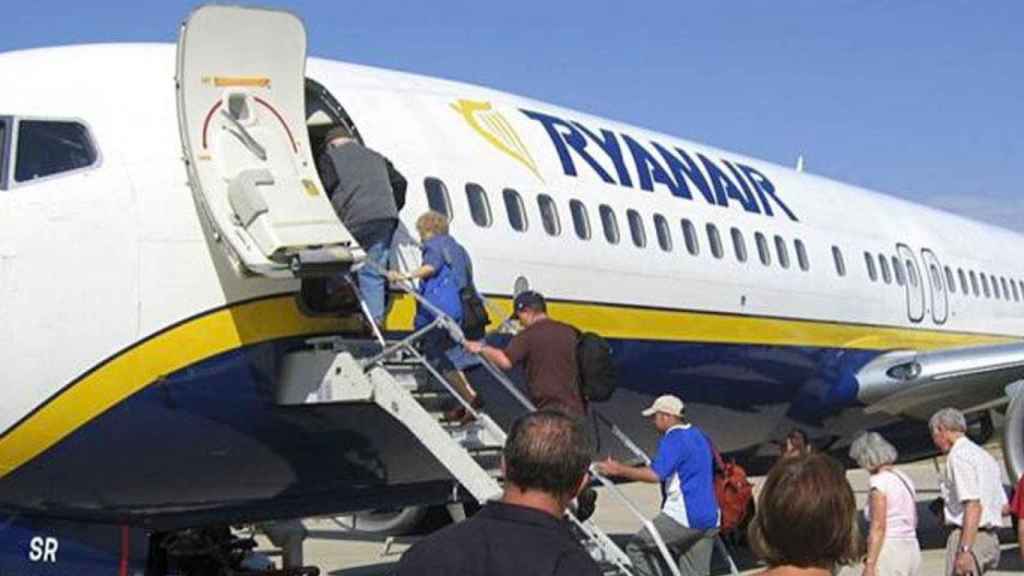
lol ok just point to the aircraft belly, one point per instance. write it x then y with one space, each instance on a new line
209 442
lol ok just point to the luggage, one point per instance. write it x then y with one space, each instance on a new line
474 313
597 373
733 492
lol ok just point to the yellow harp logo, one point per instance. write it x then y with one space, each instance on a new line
489 123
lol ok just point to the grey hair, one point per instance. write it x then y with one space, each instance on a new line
872 451
948 419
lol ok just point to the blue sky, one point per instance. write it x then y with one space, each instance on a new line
917 99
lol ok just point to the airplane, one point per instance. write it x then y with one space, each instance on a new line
161 219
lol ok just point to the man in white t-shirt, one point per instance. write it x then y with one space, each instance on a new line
972 491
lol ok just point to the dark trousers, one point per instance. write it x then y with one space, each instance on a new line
433 345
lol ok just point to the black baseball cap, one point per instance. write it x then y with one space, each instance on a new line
529 299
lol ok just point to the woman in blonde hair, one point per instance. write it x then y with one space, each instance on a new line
445 270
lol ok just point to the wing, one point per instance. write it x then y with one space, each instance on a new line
916 384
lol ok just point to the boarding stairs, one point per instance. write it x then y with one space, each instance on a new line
397 377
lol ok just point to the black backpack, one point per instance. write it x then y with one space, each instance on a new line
474 312
597 373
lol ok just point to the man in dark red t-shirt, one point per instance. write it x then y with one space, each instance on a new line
547 350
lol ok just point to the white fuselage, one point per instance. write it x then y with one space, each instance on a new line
114 260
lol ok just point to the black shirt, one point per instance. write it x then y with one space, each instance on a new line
501 540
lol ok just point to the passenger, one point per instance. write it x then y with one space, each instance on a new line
1016 509
359 184
545 466
446 268
806 521
689 517
547 348
893 548
972 493
796 444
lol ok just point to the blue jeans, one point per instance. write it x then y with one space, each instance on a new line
372 284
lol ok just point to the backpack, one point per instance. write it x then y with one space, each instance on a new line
598 376
398 184
733 492
474 313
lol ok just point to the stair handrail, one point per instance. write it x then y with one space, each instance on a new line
442 319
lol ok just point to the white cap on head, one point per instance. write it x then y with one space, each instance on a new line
668 404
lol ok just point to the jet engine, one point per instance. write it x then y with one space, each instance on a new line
1013 437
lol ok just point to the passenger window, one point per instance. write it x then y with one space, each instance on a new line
883 264
950 281
516 210
963 281
3 154
479 206
801 255
1006 288
974 283
636 228
437 197
782 252
580 219
549 215
610 224
739 245
763 251
715 241
911 273
690 237
664 233
936 275
901 273
46 147
984 285
837 255
1016 293
995 287
870 261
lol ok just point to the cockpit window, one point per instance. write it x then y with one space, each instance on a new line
47 147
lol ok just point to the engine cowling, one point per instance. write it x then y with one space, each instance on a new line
1013 437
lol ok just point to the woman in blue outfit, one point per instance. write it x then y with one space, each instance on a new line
445 270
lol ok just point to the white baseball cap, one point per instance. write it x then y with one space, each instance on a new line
668 404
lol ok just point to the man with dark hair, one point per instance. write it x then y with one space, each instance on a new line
689 518
360 184
545 465
547 349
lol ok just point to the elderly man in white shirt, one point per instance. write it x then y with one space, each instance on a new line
972 490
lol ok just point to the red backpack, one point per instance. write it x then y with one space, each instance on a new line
733 492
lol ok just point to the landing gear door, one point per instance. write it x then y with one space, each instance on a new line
241 113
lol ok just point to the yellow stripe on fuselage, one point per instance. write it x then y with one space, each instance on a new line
275 318
134 369
646 324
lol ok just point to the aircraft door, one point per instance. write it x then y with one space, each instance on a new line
914 284
241 114
940 295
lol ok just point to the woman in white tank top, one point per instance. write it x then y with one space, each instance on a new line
893 549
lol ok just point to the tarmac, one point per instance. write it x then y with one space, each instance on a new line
339 552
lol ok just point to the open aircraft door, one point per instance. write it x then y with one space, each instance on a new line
241 113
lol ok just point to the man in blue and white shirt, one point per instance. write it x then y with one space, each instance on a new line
684 465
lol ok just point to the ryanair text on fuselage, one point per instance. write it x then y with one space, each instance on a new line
675 169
